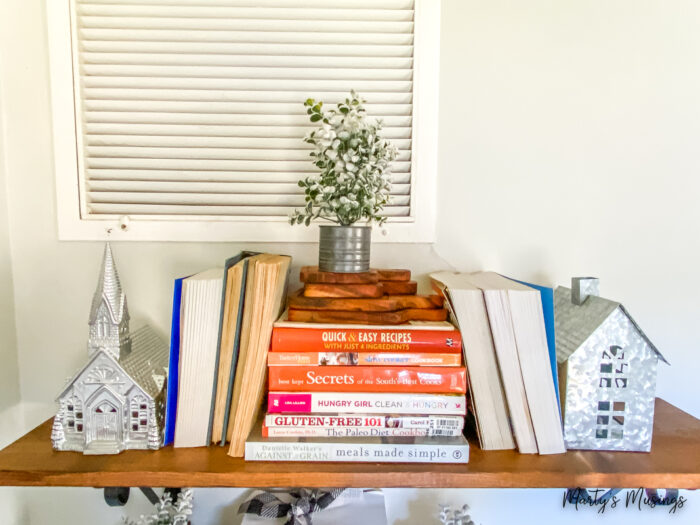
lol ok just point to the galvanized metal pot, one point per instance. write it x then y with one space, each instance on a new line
344 249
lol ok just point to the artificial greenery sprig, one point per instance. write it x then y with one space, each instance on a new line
353 159
167 511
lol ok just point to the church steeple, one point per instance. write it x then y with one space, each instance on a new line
109 315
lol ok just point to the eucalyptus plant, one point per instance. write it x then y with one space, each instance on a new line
353 159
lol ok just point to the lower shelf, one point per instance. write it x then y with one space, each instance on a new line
673 463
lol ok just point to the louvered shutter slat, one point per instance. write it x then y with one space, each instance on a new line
214 199
248 48
260 187
251 37
215 131
259 97
339 87
272 63
206 153
357 4
209 164
195 107
262 73
239 176
233 24
236 119
206 142
247 108
210 210
278 14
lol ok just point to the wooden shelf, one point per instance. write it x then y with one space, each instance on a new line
674 462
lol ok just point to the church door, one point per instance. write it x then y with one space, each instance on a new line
105 422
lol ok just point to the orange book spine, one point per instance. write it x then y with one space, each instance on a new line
421 379
362 359
292 339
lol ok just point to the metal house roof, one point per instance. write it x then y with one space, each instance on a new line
576 323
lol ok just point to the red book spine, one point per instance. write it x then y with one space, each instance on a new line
423 379
291 339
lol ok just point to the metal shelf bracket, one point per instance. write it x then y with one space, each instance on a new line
118 496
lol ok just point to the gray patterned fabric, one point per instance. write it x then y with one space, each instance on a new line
303 503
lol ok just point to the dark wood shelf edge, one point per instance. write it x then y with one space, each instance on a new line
673 463
364 480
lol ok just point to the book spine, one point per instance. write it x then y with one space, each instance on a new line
225 434
344 432
173 367
291 339
366 421
363 403
356 452
362 359
368 379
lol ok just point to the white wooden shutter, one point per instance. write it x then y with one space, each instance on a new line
195 107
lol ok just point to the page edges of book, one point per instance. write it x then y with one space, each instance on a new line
537 376
509 366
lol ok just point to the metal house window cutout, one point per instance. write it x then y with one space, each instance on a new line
613 368
610 423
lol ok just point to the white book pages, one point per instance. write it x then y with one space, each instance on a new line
530 336
488 397
201 305
509 365
531 342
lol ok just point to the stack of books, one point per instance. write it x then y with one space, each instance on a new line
360 367
508 332
349 392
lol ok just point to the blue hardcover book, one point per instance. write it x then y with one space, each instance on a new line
173 366
547 298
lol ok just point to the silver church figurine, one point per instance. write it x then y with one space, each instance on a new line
116 400
607 370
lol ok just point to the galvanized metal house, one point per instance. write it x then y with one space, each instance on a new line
607 371
116 400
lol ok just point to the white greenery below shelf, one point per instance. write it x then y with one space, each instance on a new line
168 512
455 517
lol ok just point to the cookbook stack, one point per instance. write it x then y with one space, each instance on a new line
363 390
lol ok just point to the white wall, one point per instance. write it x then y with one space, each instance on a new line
9 371
569 146
567 134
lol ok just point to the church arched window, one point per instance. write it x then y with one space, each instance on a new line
102 327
